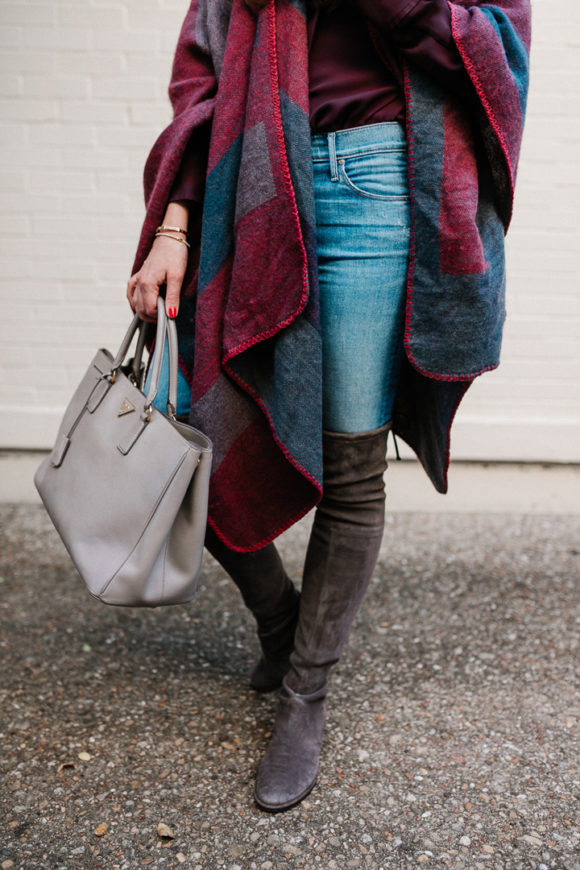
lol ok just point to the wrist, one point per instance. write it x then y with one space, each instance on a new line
177 214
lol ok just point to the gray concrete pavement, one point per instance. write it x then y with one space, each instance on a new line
453 718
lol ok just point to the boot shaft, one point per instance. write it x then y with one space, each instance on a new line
342 553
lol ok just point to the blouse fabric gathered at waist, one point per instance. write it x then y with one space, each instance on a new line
352 81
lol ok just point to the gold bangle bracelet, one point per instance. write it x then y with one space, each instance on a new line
173 229
176 238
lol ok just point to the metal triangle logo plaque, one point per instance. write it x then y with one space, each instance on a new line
126 408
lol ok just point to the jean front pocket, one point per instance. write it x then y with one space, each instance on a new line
380 174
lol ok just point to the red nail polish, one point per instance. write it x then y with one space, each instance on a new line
172 312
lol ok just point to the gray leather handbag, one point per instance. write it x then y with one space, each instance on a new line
126 485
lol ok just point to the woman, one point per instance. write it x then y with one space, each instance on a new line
345 278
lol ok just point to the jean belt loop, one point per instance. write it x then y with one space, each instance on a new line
332 156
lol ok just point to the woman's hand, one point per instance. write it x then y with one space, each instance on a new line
165 264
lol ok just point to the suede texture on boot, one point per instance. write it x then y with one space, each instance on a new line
342 553
273 600
289 768
341 557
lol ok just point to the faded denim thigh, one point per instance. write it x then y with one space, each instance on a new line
363 231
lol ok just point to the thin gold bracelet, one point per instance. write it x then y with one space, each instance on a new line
176 238
173 229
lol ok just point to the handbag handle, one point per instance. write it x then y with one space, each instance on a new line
165 327
136 372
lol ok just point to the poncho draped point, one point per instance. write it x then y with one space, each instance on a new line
248 323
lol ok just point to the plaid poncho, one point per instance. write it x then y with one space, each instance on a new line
248 322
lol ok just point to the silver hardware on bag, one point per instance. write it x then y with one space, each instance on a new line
128 492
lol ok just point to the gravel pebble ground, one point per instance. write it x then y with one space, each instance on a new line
130 738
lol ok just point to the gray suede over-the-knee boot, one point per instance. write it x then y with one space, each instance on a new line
342 554
272 598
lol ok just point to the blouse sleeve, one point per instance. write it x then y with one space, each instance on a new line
421 31
189 182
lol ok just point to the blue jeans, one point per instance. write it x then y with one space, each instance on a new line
363 231
362 227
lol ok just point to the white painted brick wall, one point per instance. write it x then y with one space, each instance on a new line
83 96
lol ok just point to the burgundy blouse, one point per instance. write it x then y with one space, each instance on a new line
350 84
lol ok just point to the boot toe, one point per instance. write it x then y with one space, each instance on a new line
284 779
289 768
